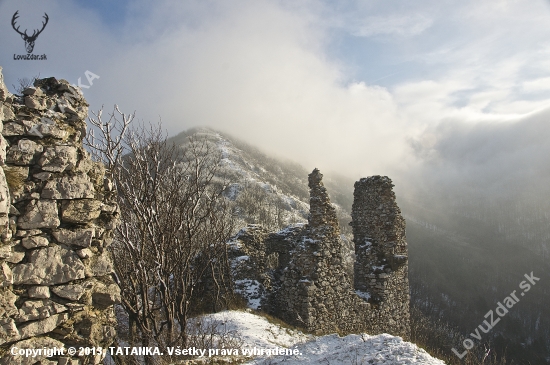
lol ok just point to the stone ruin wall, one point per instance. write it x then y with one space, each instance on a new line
315 291
310 287
381 257
57 215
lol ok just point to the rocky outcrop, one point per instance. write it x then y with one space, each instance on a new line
56 219
298 274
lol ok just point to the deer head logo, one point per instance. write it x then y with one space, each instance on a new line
29 39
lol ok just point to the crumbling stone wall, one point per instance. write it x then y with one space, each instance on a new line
381 250
310 287
57 215
256 257
315 291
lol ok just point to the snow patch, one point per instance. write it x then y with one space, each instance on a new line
290 229
251 290
238 261
366 245
362 294
254 330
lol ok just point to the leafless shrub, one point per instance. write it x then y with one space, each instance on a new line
207 333
175 221
24 83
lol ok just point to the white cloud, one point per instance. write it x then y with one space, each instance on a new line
260 70
398 25
479 71
539 84
256 70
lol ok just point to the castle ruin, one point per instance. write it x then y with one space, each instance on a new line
57 216
299 275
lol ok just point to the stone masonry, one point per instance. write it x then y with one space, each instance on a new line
381 258
57 215
315 291
299 274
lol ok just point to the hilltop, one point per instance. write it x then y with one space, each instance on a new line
255 331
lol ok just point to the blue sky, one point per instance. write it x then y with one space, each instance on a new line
377 81
112 13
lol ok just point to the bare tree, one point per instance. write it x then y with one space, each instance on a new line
256 205
175 222
24 83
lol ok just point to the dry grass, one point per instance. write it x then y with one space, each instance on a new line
14 178
280 322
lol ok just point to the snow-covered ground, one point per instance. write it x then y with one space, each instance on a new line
256 332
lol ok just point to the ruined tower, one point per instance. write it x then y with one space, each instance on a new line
315 290
381 250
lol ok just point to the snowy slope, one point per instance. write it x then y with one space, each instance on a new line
256 332
355 349
276 185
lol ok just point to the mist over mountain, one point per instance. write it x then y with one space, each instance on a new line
478 217
275 187
498 159
472 235
496 173
479 212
